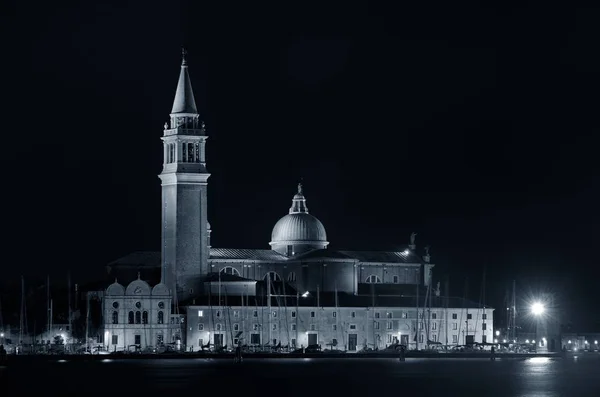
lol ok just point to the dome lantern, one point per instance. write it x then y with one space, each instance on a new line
298 231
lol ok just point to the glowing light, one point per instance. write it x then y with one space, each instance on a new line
495 340
200 313
406 252
537 308
62 336
527 341
503 340
62 361
497 333
2 335
595 342
533 341
539 360
569 341
304 295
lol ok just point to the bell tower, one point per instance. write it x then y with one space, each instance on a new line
184 250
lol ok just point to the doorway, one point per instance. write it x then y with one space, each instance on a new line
470 340
312 339
352 341
138 339
404 340
218 339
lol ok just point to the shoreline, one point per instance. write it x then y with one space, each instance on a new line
230 356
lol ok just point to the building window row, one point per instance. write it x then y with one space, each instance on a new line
138 317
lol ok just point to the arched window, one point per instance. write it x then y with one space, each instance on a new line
273 276
161 317
145 317
230 270
115 317
130 317
291 276
218 327
373 279
138 317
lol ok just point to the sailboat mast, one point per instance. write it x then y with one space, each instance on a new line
446 304
48 315
269 306
514 312
22 317
69 306
417 317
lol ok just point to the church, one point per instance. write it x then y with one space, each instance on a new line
296 294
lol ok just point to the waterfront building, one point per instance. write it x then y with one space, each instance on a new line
297 293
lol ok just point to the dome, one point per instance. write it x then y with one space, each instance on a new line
298 228
298 231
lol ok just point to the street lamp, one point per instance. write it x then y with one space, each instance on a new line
537 309
497 333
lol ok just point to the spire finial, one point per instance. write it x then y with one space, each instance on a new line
300 188
116 281
183 55
139 275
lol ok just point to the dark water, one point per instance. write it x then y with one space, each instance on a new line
530 377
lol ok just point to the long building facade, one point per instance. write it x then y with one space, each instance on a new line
297 293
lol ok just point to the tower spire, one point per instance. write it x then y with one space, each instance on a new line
184 96
183 55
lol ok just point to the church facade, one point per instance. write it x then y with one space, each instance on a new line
297 293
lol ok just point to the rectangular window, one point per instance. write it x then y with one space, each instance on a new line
484 316
197 152
293 327
312 327
218 313
352 326
236 327
334 327
390 338
200 327
434 336
420 325
115 339
255 313
353 314
454 326
200 313
138 339
434 326
255 339
274 327
334 314
236 313
404 315
395 278
420 314
469 316
312 314
483 338
235 341
274 313
454 316
389 325
421 338
376 314
389 315
483 326
454 338
376 324
255 327
434 316
294 314
200 343
293 342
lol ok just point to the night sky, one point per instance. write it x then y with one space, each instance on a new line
474 127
